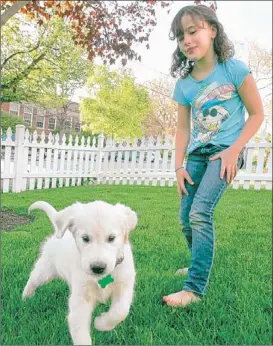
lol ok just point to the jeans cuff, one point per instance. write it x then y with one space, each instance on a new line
188 289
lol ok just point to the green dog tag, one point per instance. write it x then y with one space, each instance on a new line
105 281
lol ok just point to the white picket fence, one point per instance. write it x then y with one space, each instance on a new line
31 162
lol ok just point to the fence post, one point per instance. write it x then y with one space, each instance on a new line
19 158
99 157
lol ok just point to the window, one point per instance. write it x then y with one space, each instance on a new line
40 122
40 119
28 112
51 123
77 127
14 109
67 125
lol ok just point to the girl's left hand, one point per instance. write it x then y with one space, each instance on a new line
229 159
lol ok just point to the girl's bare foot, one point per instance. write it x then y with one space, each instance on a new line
182 298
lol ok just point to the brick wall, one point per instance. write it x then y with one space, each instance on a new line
5 107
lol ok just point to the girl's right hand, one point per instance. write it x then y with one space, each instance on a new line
181 176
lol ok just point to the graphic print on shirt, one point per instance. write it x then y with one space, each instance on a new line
208 114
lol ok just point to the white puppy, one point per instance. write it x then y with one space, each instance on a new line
94 257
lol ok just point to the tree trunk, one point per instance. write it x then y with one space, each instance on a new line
10 12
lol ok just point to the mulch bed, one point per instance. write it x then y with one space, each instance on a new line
9 220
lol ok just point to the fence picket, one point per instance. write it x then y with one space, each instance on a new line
133 163
56 160
260 167
7 160
268 185
80 166
112 162
48 159
157 160
164 162
33 158
141 161
149 160
172 167
126 161
41 161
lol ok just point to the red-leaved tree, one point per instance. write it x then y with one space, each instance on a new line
104 28
211 4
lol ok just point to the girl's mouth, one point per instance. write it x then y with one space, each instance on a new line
190 50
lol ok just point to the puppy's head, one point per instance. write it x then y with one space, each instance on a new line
100 231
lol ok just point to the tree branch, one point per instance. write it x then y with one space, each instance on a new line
10 12
25 73
270 94
20 52
266 86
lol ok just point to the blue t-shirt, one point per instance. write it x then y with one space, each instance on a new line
217 110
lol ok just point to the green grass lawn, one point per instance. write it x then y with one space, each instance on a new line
237 309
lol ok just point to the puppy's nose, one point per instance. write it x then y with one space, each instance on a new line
98 268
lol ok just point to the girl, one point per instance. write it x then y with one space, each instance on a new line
213 90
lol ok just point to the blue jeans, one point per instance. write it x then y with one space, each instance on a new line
196 213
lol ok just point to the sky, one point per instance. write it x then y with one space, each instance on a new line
242 20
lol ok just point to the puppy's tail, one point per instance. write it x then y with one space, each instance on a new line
47 208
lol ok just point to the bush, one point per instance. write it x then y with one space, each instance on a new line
81 134
9 121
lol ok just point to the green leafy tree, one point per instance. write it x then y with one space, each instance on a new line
38 63
118 106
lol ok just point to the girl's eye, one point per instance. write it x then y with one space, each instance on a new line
192 32
85 238
111 238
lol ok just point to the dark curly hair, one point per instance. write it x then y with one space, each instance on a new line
223 47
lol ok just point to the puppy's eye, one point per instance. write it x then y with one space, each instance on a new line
111 238
85 238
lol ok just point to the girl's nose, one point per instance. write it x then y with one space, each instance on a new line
187 40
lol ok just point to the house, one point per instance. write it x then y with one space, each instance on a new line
46 120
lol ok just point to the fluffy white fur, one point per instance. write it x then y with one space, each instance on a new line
66 255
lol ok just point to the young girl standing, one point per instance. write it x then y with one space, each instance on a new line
212 93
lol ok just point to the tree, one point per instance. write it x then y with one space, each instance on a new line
212 4
106 29
163 118
118 107
259 61
60 108
36 62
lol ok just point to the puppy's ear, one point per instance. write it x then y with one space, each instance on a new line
128 219
65 219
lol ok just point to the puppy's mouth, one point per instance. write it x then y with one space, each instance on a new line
98 276
119 260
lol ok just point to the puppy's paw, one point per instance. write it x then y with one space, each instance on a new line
29 291
102 324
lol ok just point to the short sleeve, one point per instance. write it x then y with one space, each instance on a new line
178 94
239 71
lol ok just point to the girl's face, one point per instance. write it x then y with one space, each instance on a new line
196 39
